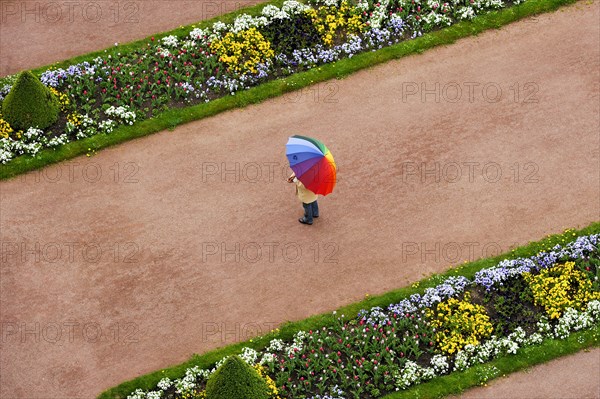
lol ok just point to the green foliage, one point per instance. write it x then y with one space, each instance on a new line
591 268
236 379
286 36
30 104
512 306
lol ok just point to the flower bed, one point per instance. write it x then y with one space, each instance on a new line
206 64
456 325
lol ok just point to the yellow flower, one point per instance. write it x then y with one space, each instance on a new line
243 51
560 287
274 392
63 99
5 128
330 21
459 323
74 119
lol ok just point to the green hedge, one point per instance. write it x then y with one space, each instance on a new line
30 103
236 379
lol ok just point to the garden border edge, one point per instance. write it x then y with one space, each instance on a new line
431 389
174 117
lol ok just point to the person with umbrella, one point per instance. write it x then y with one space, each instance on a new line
308 199
314 173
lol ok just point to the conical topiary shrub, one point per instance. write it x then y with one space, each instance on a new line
30 104
236 379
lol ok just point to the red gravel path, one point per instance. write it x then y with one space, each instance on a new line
116 265
570 377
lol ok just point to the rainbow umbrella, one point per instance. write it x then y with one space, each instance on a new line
312 163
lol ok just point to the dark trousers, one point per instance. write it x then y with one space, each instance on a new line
310 210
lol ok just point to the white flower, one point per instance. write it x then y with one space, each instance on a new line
198 33
466 13
170 41
294 7
164 52
59 140
219 26
440 364
249 355
164 384
122 113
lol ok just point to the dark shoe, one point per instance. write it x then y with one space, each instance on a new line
304 221
315 216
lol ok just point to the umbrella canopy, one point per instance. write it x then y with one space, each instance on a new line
312 163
